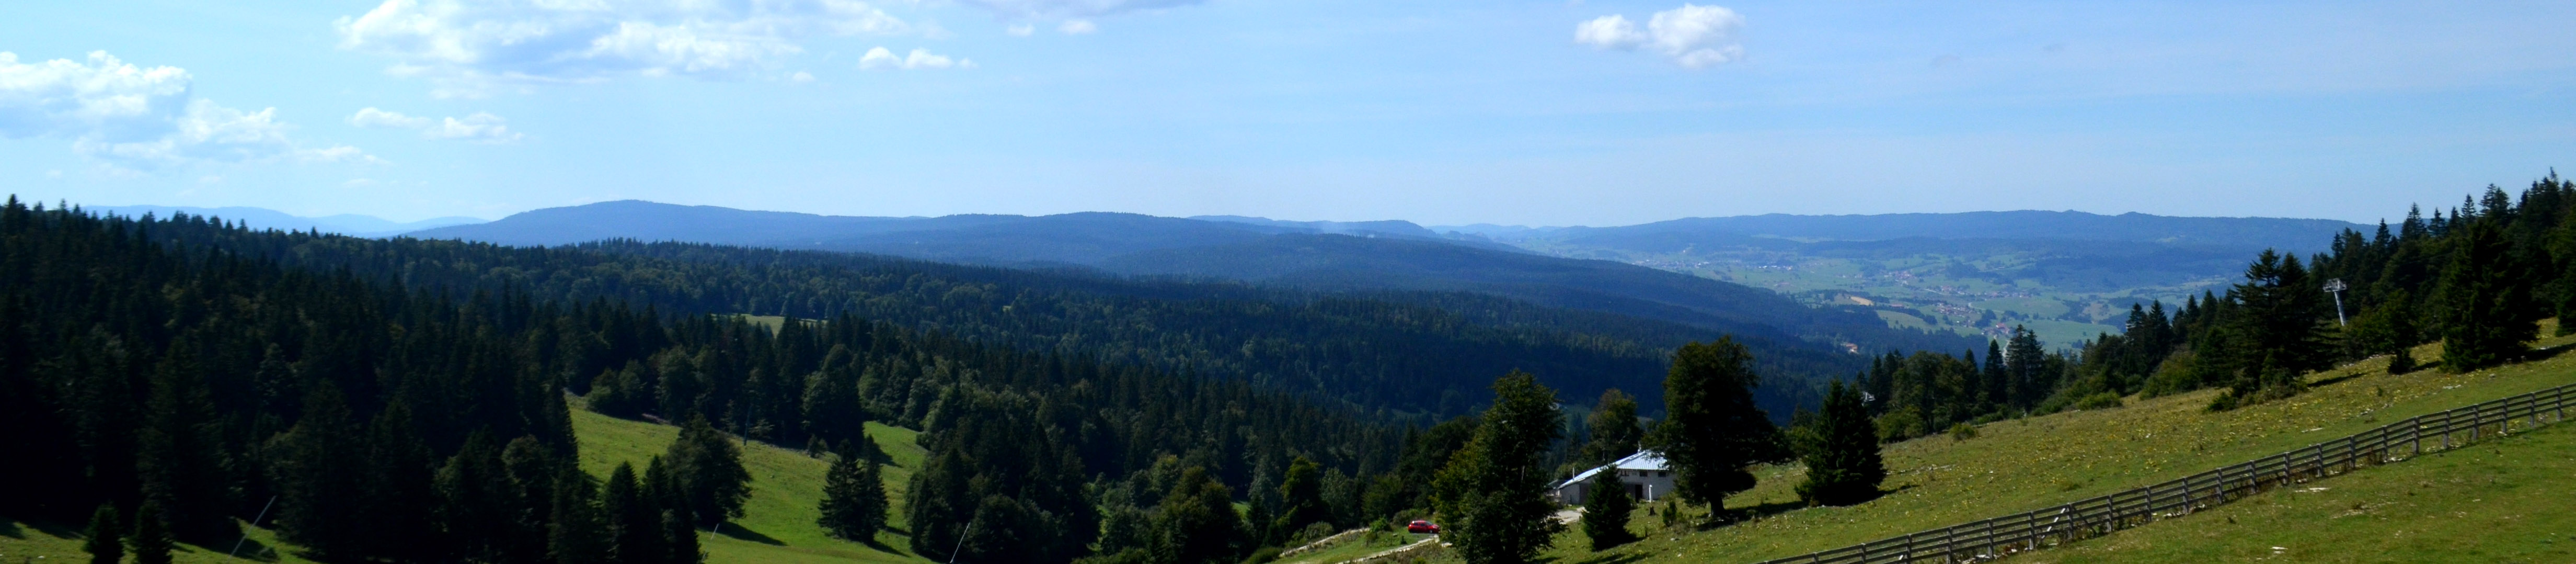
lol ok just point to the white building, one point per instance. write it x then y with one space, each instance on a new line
1643 473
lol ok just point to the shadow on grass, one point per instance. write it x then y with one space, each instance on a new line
10 529
738 532
1599 559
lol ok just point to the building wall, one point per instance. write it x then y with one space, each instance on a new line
1644 485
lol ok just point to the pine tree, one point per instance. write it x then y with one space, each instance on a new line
709 470
1712 431
1615 431
179 465
634 519
151 535
679 528
2486 298
576 534
854 499
1606 509
105 545
1496 492
1841 452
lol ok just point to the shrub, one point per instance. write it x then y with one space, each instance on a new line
1963 431
2402 362
2226 401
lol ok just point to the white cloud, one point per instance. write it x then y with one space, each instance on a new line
134 117
882 59
1020 30
1693 36
468 45
372 117
1609 32
1076 27
1042 9
801 77
359 182
482 127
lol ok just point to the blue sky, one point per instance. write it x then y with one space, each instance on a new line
1440 112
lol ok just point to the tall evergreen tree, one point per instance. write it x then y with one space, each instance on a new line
2487 301
1712 431
1495 488
709 470
576 534
678 525
1606 509
179 466
1615 431
634 519
105 540
151 535
319 483
1841 452
854 499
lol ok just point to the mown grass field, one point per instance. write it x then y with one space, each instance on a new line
2024 464
2510 500
778 525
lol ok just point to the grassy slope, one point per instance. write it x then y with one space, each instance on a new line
2510 496
2037 462
778 525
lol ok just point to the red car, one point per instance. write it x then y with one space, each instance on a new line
1421 527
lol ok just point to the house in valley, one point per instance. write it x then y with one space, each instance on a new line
1643 473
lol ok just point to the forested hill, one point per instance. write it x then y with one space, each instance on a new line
1319 256
192 371
2247 233
1409 352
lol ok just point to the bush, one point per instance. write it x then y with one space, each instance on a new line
2402 362
2104 400
1963 431
1900 425
2226 401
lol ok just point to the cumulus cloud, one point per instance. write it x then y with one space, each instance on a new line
372 117
481 126
140 118
801 77
882 59
471 44
1693 36
1020 30
1076 27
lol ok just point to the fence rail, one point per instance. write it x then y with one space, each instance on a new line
1993 538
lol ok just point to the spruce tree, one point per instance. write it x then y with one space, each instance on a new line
1841 451
105 544
1495 490
634 519
151 535
1606 509
1712 431
1615 431
709 470
854 499
576 534
2486 299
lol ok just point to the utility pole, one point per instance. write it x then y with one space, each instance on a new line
2335 286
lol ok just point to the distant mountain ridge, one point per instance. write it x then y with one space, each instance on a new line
262 218
1330 256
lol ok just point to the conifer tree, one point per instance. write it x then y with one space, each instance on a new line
2487 301
1841 451
576 534
678 524
1496 493
634 519
1615 431
1712 431
179 466
1606 509
151 535
105 543
854 499
709 469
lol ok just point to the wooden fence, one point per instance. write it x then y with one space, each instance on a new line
1993 538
